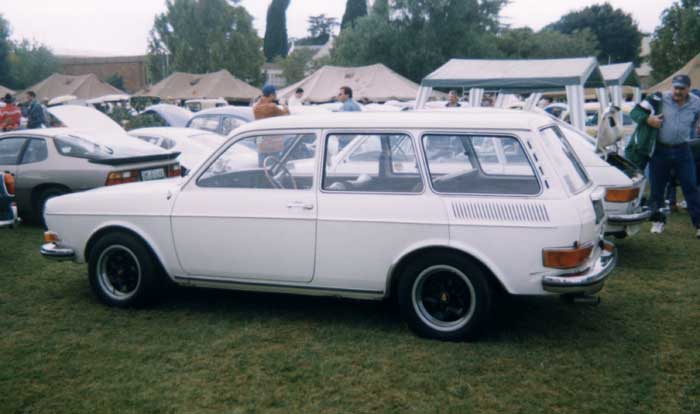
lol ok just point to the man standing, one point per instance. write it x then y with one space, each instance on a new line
297 98
345 96
452 100
10 115
35 112
267 108
680 113
267 105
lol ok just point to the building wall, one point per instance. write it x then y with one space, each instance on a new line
131 68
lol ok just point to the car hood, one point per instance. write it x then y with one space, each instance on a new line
149 198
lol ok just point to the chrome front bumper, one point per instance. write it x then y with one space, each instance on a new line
589 282
53 252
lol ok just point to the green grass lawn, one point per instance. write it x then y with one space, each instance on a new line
228 352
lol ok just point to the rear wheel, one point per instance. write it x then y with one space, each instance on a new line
445 296
41 199
122 271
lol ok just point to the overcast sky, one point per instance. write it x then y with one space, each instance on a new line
109 27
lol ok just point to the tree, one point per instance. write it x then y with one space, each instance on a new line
275 43
201 36
320 30
31 62
5 46
295 65
618 35
354 9
116 80
414 37
677 39
523 43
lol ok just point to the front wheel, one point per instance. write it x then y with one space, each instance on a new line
122 271
445 296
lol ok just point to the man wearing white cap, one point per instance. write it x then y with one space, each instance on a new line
680 114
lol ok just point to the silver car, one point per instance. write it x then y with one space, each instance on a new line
50 162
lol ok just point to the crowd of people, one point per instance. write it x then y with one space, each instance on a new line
11 114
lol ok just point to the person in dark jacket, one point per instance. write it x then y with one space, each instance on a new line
36 117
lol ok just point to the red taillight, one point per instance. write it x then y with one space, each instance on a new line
122 177
621 195
566 258
9 183
174 170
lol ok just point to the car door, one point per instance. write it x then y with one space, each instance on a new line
251 213
34 168
10 150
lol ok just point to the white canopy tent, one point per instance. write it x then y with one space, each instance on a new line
518 76
616 77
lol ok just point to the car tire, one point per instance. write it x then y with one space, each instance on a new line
445 296
122 271
41 200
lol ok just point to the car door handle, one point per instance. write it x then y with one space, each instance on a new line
299 204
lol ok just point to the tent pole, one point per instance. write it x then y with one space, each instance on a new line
637 95
575 98
616 95
423 94
475 96
602 94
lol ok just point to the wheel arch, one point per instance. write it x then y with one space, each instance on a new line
416 254
119 228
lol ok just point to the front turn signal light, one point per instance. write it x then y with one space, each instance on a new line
50 237
566 258
621 195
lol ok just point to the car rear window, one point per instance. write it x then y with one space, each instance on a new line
565 158
73 146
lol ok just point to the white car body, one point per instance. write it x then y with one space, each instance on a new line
332 240
193 145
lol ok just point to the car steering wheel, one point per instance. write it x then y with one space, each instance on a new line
276 172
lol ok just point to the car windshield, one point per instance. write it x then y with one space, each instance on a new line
73 146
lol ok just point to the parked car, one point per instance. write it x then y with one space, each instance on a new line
221 120
193 145
8 207
513 210
55 161
623 181
196 105
168 115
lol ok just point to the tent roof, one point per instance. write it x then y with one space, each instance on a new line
516 75
4 91
620 74
376 83
219 84
692 69
82 86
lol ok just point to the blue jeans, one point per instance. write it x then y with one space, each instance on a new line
680 159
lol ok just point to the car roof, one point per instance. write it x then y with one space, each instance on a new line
468 118
240 111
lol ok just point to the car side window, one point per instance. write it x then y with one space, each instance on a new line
206 123
478 164
371 163
229 123
36 151
285 161
10 149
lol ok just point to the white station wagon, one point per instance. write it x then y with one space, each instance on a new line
440 210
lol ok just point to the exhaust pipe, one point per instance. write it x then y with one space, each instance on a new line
587 300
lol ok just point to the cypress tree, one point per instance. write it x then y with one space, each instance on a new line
275 42
354 9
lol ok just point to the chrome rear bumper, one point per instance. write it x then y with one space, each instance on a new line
589 282
629 219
